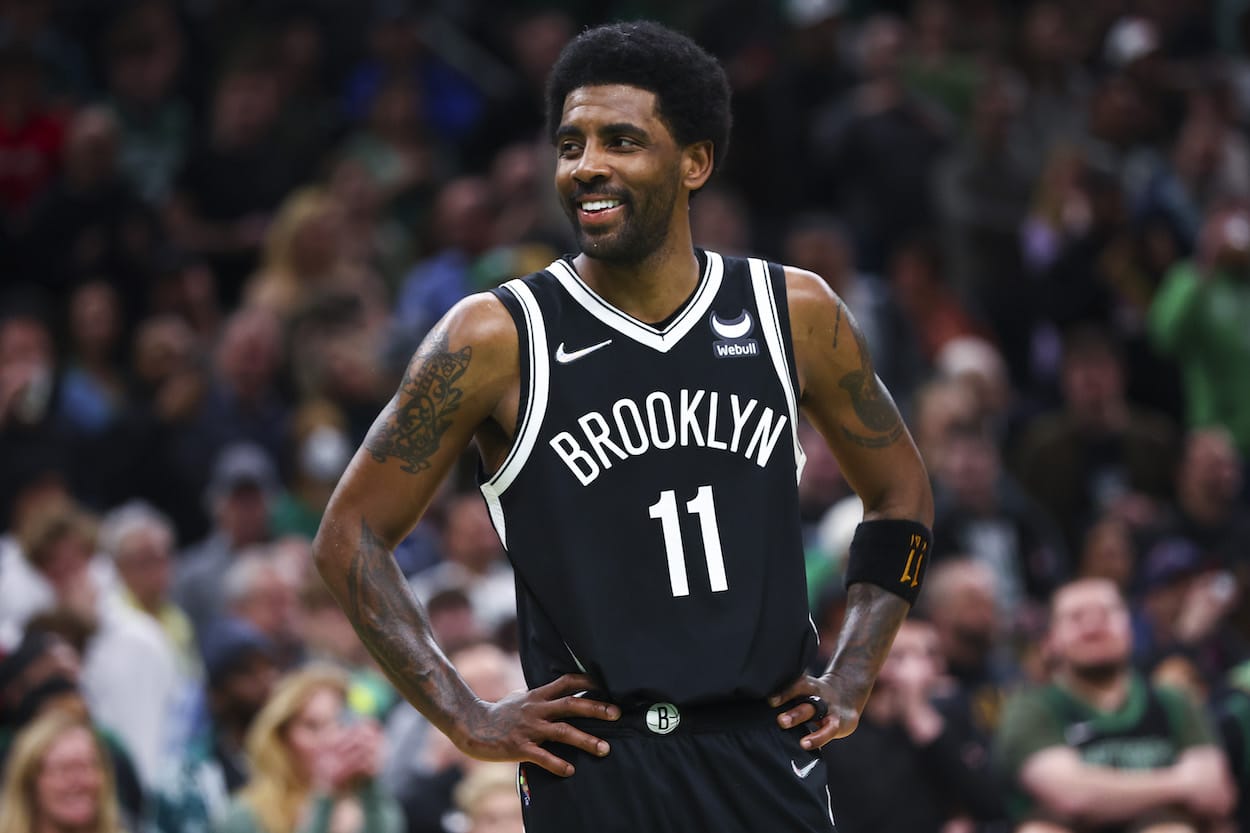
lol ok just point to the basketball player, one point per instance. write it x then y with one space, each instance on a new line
635 410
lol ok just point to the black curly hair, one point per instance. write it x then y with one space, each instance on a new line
690 86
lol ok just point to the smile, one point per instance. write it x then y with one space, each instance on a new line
595 206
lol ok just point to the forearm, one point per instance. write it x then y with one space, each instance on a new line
361 572
873 617
1098 795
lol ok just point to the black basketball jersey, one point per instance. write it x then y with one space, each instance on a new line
649 504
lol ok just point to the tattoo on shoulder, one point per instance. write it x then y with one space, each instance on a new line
870 399
421 411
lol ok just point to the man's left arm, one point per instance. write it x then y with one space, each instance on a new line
843 398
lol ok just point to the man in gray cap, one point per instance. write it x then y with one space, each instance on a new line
238 496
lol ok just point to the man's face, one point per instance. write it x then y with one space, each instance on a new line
618 172
1089 630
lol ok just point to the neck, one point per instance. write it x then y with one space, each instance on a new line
1104 694
652 288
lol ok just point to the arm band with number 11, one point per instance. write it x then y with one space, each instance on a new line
892 554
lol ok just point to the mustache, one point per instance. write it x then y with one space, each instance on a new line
583 191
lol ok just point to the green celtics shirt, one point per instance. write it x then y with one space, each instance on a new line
1149 731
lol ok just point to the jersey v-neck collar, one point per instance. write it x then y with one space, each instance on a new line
659 339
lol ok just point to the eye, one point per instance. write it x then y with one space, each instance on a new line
568 149
625 142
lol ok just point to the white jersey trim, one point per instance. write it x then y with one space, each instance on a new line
535 345
770 324
630 327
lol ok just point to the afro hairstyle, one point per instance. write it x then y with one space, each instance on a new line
690 86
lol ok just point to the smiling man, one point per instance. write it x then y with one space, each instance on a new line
635 407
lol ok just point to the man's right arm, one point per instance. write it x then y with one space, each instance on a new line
457 383
1073 790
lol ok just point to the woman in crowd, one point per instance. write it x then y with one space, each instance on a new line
313 769
57 780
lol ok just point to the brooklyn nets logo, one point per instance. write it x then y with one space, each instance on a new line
733 336
663 718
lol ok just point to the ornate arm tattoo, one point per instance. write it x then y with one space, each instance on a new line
422 408
873 616
392 626
869 398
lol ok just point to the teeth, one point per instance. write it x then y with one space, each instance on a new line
600 205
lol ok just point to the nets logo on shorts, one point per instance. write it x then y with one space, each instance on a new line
523 785
733 336
663 718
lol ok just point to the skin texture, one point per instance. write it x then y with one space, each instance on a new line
463 386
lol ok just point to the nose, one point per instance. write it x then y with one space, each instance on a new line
592 164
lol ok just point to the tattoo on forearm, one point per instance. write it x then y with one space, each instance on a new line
873 617
870 399
421 411
390 624
837 326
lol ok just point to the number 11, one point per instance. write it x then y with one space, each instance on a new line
665 511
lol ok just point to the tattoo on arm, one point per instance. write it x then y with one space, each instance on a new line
421 411
870 399
837 326
873 616
391 625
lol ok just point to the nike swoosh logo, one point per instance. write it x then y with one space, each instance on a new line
805 771
564 357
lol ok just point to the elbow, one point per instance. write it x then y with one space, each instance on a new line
325 545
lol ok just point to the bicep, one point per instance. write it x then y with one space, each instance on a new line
845 400
450 388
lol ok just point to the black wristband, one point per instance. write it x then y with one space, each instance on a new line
892 554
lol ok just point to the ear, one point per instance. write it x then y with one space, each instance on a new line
697 162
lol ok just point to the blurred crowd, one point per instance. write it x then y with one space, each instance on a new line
225 225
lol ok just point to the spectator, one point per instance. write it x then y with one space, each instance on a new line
461 228
473 561
819 243
488 799
130 675
257 591
1183 608
1099 748
905 742
58 780
140 542
144 52
305 255
982 512
970 624
321 450
242 485
875 148
89 221
1209 509
1196 318
309 769
1099 453
225 194
31 134
240 672
242 402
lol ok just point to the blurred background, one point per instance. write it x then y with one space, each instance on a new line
224 227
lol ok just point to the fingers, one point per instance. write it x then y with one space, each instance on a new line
565 684
581 707
554 764
572 736
790 692
827 730
802 713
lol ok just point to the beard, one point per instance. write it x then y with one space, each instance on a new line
1098 673
641 231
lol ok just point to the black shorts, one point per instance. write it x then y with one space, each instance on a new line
720 769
